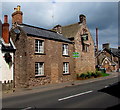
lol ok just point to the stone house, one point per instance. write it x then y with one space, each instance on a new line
83 44
42 56
108 58
46 56
7 50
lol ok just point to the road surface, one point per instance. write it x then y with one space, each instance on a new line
91 95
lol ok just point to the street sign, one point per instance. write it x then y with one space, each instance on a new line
76 54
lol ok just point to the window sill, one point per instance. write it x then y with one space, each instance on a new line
37 76
39 53
66 73
66 55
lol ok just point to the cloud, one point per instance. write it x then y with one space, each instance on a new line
103 15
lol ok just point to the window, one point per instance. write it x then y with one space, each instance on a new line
39 46
39 68
85 37
65 68
85 47
65 49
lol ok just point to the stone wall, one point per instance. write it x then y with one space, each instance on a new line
20 60
53 62
7 85
86 60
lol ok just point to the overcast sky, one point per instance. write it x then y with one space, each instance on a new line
103 15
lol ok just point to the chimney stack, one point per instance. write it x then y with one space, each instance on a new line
106 45
97 39
17 16
58 29
5 30
82 19
119 47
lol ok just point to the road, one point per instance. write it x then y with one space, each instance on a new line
90 95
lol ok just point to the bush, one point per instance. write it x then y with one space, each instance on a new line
92 75
99 73
89 75
83 75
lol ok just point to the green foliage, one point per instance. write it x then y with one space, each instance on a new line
92 74
83 76
89 74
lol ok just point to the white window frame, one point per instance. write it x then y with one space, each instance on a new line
39 68
39 46
65 68
65 49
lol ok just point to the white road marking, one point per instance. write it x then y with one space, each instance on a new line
26 108
106 86
74 95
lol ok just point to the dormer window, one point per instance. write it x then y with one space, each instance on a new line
39 46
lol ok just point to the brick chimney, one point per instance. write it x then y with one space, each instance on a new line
96 39
106 45
58 29
17 16
0 28
5 30
82 19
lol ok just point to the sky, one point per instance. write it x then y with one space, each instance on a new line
47 14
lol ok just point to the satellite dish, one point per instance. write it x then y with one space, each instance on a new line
17 31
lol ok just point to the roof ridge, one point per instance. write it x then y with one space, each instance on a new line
70 24
37 27
114 48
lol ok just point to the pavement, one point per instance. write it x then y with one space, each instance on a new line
30 90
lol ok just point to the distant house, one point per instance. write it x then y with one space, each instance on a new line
7 50
83 44
48 56
108 58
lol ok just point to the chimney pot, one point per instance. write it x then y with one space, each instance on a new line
5 18
18 8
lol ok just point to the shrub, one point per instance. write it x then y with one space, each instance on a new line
91 74
99 73
88 74
83 75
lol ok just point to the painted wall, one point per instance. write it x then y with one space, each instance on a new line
6 72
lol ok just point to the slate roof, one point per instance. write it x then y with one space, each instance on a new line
8 48
114 51
43 33
70 31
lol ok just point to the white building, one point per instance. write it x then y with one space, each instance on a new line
7 50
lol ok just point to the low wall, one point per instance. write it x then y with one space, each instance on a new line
7 85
